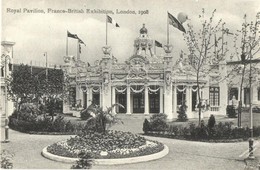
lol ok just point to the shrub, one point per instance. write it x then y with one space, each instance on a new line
211 121
6 160
203 131
84 162
84 114
220 131
146 126
158 122
182 116
45 124
69 127
231 111
58 124
28 112
211 126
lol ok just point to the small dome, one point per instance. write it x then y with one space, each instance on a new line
143 30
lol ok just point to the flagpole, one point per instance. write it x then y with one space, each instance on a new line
222 39
106 29
78 50
167 28
215 46
67 44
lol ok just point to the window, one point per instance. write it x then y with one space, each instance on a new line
246 96
72 96
233 92
181 95
214 96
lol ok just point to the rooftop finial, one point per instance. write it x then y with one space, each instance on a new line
143 30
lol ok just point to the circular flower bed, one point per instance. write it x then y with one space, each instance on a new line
108 145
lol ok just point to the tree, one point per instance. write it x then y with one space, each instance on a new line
21 85
203 44
24 85
249 45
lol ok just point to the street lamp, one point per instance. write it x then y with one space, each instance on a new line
4 62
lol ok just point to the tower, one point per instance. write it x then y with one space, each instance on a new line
144 45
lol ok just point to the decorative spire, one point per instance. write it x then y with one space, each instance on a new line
143 30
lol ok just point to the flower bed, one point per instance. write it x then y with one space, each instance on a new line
109 145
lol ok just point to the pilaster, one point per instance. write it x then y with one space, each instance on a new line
146 100
128 106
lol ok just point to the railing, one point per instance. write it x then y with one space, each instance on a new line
214 108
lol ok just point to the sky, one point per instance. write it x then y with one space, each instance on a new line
36 33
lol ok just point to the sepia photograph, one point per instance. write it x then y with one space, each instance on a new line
130 84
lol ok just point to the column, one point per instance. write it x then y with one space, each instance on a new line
161 99
113 99
80 97
168 101
128 107
146 100
89 96
189 101
175 115
106 97
223 91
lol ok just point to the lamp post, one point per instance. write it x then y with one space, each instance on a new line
4 60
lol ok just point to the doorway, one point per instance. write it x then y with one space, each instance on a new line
138 103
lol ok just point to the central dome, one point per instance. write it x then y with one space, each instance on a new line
143 30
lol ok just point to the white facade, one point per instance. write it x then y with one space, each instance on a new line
147 83
6 106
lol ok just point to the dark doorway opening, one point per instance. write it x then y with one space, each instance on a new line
121 99
138 103
154 102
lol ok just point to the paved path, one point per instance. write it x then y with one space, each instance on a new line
183 155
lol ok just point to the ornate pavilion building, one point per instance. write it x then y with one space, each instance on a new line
146 83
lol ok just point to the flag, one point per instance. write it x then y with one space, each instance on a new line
81 42
158 44
174 22
72 35
112 21
227 32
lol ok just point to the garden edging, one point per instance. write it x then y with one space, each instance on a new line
145 158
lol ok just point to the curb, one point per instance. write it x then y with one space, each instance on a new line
145 158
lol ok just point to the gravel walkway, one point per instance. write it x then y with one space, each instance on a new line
183 155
